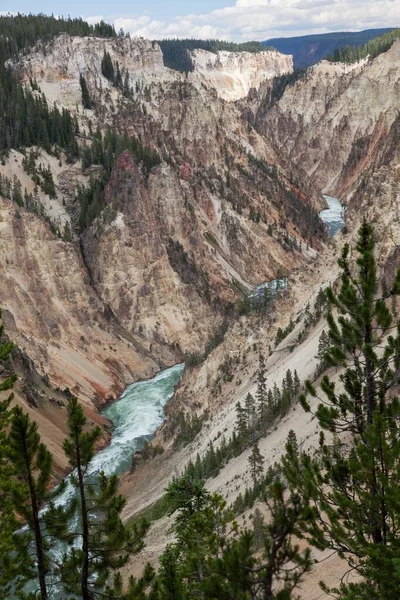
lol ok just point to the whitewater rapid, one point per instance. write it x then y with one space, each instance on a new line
135 416
333 216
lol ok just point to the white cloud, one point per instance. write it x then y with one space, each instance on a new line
263 19
94 20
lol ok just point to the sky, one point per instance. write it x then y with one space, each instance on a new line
235 20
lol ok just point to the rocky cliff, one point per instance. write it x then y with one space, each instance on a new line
172 249
53 314
234 74
340 124
333 120
58 64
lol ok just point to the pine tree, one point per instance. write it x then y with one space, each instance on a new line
324 345
170 577
277 571
106 543
277 399
296 382
241 422
285 401
198 467
292 442
107 67
320 303
86 158
251 415
357 492
32 471
256 462
289 383
126 88
118 78
187 567
8 523
48 182
258 528
271 412
86 99
211 463
186 495
261 393
17 192
67 234
29 559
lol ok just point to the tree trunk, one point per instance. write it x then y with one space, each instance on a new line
371 405
85 527
369 376
41 562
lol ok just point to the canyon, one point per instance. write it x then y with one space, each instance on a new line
160 274
183 241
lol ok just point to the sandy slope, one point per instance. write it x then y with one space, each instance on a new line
235 477
146 485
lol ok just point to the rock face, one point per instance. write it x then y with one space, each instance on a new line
53 314
334 120
174 248
66 57
234 74
341 124
58 64
132 266
170 262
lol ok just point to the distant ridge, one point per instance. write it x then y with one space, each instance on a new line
309 49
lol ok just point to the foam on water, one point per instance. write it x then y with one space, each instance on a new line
333 216
273 286
135 417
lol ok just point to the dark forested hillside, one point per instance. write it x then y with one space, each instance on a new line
372 48
176 52
20 32
25 117
309 49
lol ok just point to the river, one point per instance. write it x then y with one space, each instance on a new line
135 416
333 216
